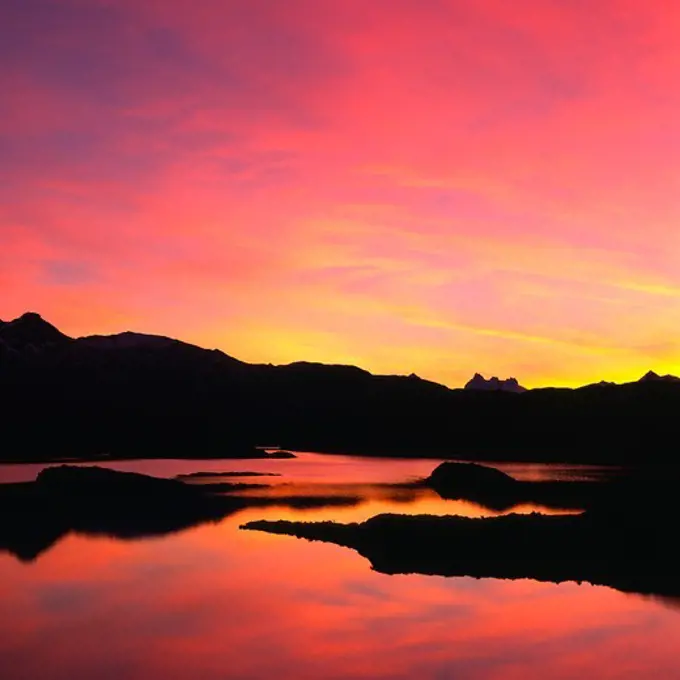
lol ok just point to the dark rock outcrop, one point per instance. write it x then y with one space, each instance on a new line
472 481
497 490
281 455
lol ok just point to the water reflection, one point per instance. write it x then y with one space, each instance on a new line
315 467
41 519
213 602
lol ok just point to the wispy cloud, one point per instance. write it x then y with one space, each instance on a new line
440 187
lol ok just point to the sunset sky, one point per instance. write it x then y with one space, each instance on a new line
428 186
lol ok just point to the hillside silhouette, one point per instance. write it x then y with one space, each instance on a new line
134 395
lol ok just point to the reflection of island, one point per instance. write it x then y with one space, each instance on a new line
625 540
95 500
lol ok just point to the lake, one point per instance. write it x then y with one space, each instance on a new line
216 602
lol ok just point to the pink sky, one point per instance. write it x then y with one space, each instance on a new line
435 187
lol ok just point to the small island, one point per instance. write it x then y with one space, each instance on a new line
614 542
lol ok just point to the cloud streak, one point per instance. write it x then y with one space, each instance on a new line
441 187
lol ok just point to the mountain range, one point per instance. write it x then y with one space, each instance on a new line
137 395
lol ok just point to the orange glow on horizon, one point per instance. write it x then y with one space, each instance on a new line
437 188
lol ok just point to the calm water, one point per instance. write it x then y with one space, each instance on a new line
216 602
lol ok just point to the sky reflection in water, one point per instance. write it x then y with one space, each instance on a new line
215 602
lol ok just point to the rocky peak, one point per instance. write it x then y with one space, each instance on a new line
30 329
479 382
651 376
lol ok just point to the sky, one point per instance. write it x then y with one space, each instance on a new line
437 187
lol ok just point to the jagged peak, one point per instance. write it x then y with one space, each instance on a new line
479 382
652 376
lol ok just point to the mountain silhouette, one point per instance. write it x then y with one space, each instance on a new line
133 395
655 377
478 382
30 331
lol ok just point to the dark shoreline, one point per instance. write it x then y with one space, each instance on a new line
554 548
130 394
357 452
124 505
122 459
